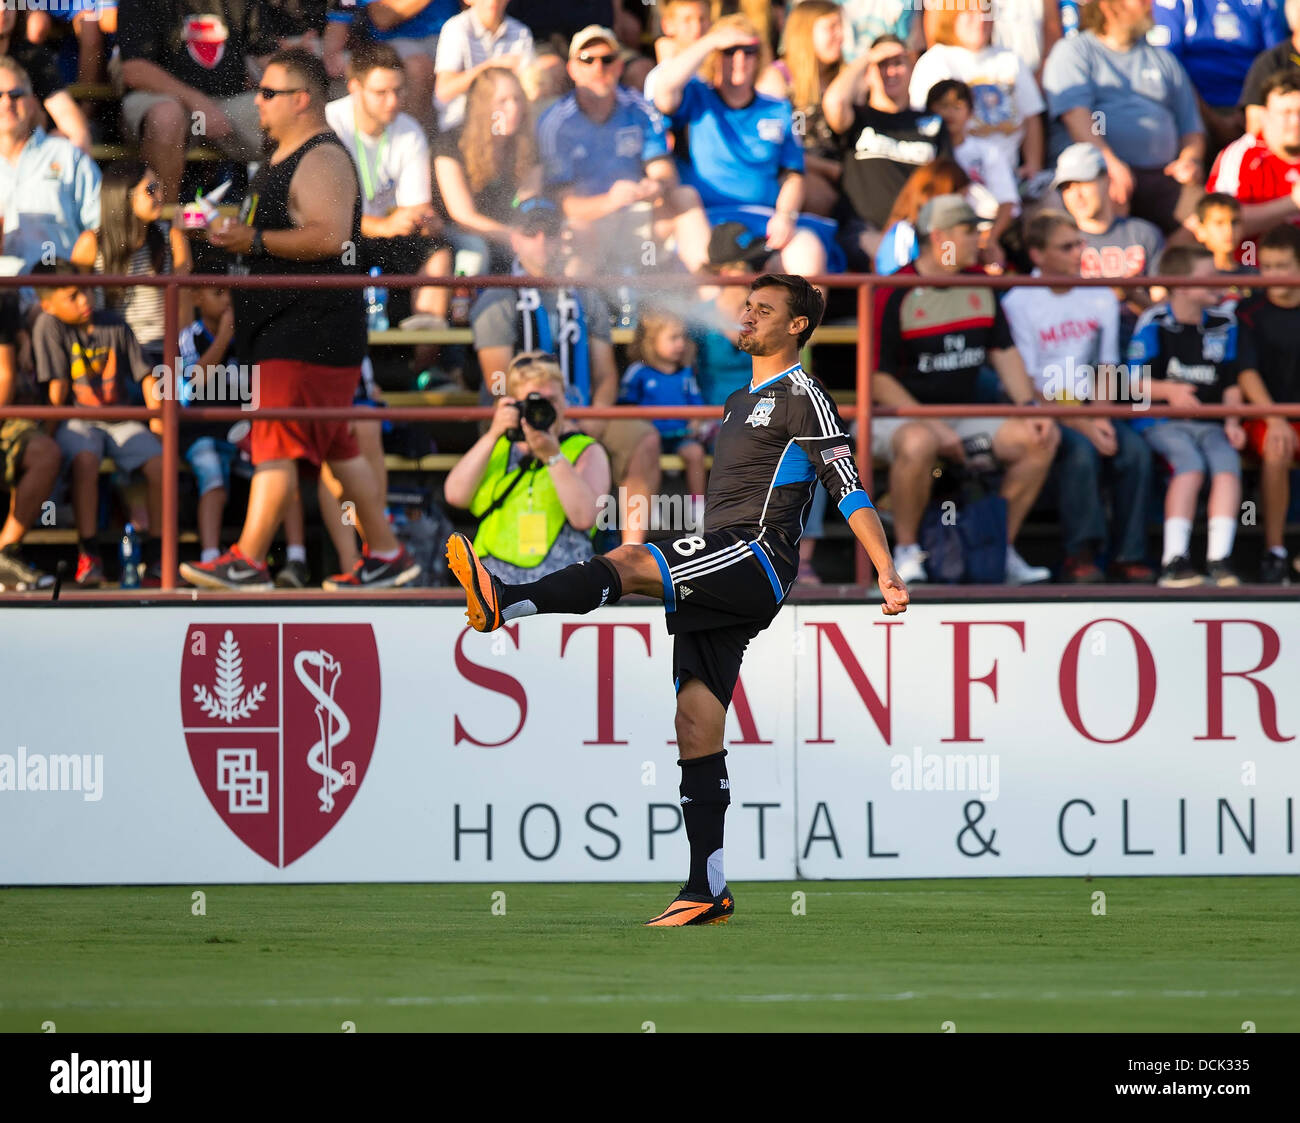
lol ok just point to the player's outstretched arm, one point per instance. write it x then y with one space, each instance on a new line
865 524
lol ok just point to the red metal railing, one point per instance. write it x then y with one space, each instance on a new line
862 412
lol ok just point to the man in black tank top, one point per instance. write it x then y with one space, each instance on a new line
302 216
780 437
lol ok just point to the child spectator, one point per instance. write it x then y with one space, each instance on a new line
1218 228
1272 319
663 375
814 44
136 241
85 358
985 162
1192 352
480 37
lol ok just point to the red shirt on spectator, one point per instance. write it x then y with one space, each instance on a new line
1252 173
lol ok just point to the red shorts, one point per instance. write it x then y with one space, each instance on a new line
287 382
1256 428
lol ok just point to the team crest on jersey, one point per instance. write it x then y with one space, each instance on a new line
1214 346
761 414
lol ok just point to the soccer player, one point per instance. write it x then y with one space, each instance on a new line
725 584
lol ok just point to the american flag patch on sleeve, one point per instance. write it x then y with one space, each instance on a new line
839 452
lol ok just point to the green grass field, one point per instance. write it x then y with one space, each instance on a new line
1193 954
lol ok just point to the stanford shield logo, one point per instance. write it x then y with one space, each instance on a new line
280 720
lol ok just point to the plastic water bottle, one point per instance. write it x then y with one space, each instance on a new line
460 302
376 304
130 557
626 306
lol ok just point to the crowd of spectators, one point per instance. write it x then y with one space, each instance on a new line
1093 138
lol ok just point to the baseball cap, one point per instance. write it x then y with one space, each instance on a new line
944 212
734 242
592 33
535 215
1080 163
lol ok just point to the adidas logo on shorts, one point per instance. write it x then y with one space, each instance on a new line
684 591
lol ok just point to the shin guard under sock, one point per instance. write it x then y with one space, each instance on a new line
577 589
705 794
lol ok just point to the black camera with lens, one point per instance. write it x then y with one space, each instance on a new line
538 411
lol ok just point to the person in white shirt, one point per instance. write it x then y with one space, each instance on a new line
1008 104
1069 340
481 36
400 232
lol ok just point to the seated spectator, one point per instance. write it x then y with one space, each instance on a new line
92 22
1284 56
1272 319
47 83
683 22
986 162
720 366
814 41
867 20
484 165
884 142
661 374
1029 28
899 244
399 229
410 27
136 241
1191 353
1113 246
1110 88
1008 107
1218 229
1263 173
938 362
482 36
738 145
1216 46
575 327
528 531
29 461
604 151
186 78
49 189
85 358
1069 341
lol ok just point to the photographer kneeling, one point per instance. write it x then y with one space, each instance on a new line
533 480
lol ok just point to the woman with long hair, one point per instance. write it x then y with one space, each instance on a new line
135 241
898 246
814 53
486 164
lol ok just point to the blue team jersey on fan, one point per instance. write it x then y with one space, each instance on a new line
425 24
590 157
1216 40
645 386
734 155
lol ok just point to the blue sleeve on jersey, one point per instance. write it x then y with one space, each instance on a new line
692 102
691 388
656 134
791 147
555 154
1145 344
854 501
631 392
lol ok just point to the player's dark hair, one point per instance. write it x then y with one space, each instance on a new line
803 298
1216 199
1181 261
942 89
1283 236
1285 81
306 68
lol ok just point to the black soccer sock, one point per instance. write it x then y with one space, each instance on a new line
575 588
705 792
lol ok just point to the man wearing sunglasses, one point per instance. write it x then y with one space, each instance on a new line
738 147
184 67
604 151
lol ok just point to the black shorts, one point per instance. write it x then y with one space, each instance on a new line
720 590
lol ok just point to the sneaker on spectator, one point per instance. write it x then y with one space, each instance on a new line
423 321
1181 574
1273 570
230 571
16 574
1080 569
1020 572
1222 574
375 573
90 571
807 575
909 563
293 575
1132 572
